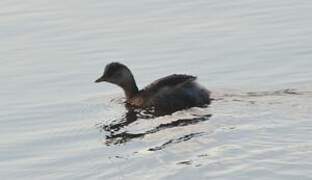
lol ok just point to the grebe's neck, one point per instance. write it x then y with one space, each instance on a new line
130 88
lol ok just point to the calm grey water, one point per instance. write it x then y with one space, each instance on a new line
255 56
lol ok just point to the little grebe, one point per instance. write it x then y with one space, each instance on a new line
165 95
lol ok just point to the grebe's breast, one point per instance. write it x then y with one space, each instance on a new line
137 101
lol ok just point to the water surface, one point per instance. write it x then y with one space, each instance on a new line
255 56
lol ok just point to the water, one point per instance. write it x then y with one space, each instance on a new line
255 56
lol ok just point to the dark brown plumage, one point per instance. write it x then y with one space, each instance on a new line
165 95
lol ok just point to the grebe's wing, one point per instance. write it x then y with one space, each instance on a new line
170 81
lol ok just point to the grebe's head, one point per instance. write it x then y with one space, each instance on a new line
116 73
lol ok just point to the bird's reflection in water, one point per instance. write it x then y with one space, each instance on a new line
117 136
